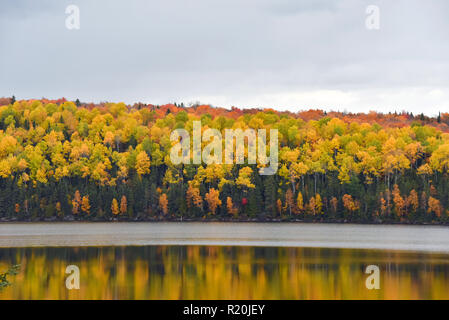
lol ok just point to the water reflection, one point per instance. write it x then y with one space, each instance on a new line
217 272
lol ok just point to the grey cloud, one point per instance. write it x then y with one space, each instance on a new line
161 51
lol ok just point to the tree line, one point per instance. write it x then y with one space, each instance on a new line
64 160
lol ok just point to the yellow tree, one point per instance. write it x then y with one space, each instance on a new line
289 202
114 207
85 205
5 169
412 201
434 206
439 160
424 171
279 206
300 202
213 199
163 203
76 202
350 204
311 207
318 204
142 163
230 206
123 205
244 178
58 208
193 197
399 202
290 157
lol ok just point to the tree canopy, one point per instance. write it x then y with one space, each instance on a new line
72 160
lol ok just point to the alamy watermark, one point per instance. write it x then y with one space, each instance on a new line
213 151
73 280
373 280
72 22
372 21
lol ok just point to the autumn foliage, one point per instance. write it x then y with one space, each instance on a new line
59 160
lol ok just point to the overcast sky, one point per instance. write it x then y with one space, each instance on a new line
288 55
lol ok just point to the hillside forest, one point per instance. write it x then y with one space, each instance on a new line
69 160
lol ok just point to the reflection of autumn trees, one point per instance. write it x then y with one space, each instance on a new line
4 281
60 159
198 272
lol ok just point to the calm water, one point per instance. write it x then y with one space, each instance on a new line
277 261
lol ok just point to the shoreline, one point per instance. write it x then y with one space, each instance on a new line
230 220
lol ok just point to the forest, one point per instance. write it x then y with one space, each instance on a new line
66 160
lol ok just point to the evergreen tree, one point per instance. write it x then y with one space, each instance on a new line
270 195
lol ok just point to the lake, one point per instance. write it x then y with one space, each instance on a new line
225 260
